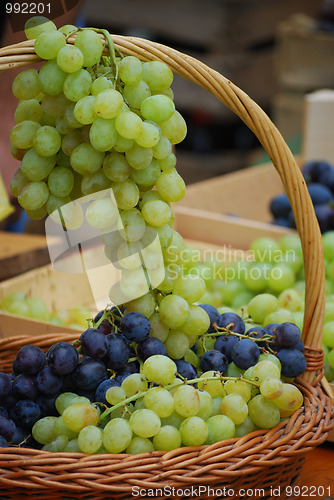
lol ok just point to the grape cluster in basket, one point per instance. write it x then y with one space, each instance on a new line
319 176
119 388
87 122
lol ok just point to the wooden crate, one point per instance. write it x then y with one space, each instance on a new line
20 253
304 55
61 291
234 207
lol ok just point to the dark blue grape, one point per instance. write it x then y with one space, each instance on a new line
3 442
327 178
287 335
94 343
47 404
119 378
225 344
270 328
131 367
48 382
7 428
113 316
280 206
62 358
135 326
185 369
100 394
87 394
213 315
118 353
232 322
25 413
245 354
214 360
3 412
300 346
194 348
150 347
9 401
23 438
5 385
98 317
313 170
116 314
279 221
291 220
293 362
325 217
68 385
105 327
89 374
24 387
319 194
256 332
30 359
15 369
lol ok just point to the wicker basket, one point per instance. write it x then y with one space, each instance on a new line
259 461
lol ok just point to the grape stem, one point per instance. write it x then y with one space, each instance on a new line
225 331
109 316
172 386
109 42
112 49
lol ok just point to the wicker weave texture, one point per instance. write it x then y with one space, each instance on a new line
256 119
262 458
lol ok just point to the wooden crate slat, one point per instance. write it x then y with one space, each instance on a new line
246 193
305 55
21 252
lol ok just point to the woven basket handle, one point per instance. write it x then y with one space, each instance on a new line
257 121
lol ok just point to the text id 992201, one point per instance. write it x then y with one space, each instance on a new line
31 8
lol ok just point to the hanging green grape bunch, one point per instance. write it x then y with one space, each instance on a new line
91 119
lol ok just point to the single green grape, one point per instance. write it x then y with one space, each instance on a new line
48 44
194 431
145 423
90 45
167 438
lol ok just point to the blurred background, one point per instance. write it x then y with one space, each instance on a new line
277 52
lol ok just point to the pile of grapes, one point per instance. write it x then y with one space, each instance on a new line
118 389
319 176
20 304
167 368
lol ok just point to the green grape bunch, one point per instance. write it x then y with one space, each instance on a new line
91 119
